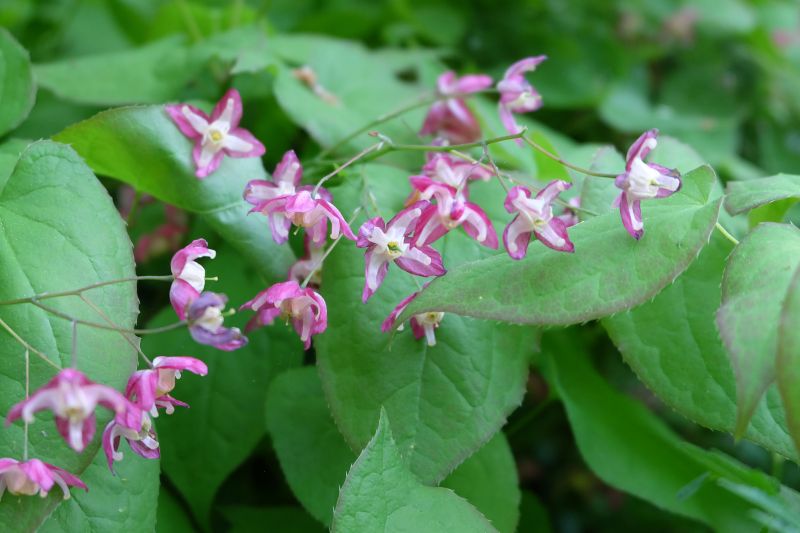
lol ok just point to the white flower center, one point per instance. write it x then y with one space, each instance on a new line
643 180
392 243
211 320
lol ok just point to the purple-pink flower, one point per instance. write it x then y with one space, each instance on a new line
570 214
304 306
642 181
145 387
422 325
517 95
391 243
143 442
450 117
205 319
455 172
72 397
26 478
216 135
190 276
308 265
535 215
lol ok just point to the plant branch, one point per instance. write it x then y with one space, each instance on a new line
329 250
27 346
65 316
77 292
727 234
105 317
536 146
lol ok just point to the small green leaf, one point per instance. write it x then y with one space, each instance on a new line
609 271
746 195
17 88
141 146
756 281
381 494
788 361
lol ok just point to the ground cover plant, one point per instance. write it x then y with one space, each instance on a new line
401 266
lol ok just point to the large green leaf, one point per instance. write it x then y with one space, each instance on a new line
673 346
301 425
381 494
202 445
631 449
124 502
17 89
171 516
143 147
788 360
475 373
746 195
756 281
608 272
60 231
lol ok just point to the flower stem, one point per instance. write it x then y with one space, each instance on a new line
65 316
727 234
77 292
359 155
130 341
27 346
536 146
329 250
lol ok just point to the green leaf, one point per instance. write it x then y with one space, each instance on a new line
546 168
673 346
301 425
202 445
126 501
777 512
141 146
756 281
609 271
788 359
745 195
280 519
533 515
17 88
60 231
381 494
171 515
631 449
151 74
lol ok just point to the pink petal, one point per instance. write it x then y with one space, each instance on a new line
257 191
411 263
516 238
524 65
631 213
478 226
181 294
641 147
205 170
236 116
289 169
257 149
388 324
375 269
175 111
552 190
338 223
472 83
516 192
554 235
508 120
193 365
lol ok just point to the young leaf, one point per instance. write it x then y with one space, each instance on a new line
60 231
631 449
673 346
141 146
756 281
788 361
381 494
746 195
17 88
608 272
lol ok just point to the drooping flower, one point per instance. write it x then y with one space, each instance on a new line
72 397
450 117
216 135
423 324
535 215
570 214
285 182
143 442
31 477
391 243
455 172
517 95
145 387
452 210
308 265
305 307
642 181
190 276
205 323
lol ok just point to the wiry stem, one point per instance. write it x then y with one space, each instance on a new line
329 250
27 346
130 341
727 234
349 162
536 146
65 316
76 292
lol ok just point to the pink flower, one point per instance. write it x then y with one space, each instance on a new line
142 441
308 264
642 181
305 307
455 172
216 135
516 94
535 215
450 117
570 214
73 398
145 387
285 203
391 243
205 319
422 325
190 276
35 477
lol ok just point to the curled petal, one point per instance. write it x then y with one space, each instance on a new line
289 170
527 64
508 120
206 159
423 261
181 295
257 191
478 226
472 83
191 121
241 143
376 266
552 190
229 109
631 213
516 237
641 147
554 235
389 323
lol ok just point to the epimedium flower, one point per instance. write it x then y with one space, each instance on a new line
309 264
205 319
450 117
285 182
216 135
26 478
642 181
145 387
517 95
143 442
422 325
304 306
535 215
570 214
452 209
455 172
391 243
190 276
73 398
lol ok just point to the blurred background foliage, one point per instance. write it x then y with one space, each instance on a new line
720 75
